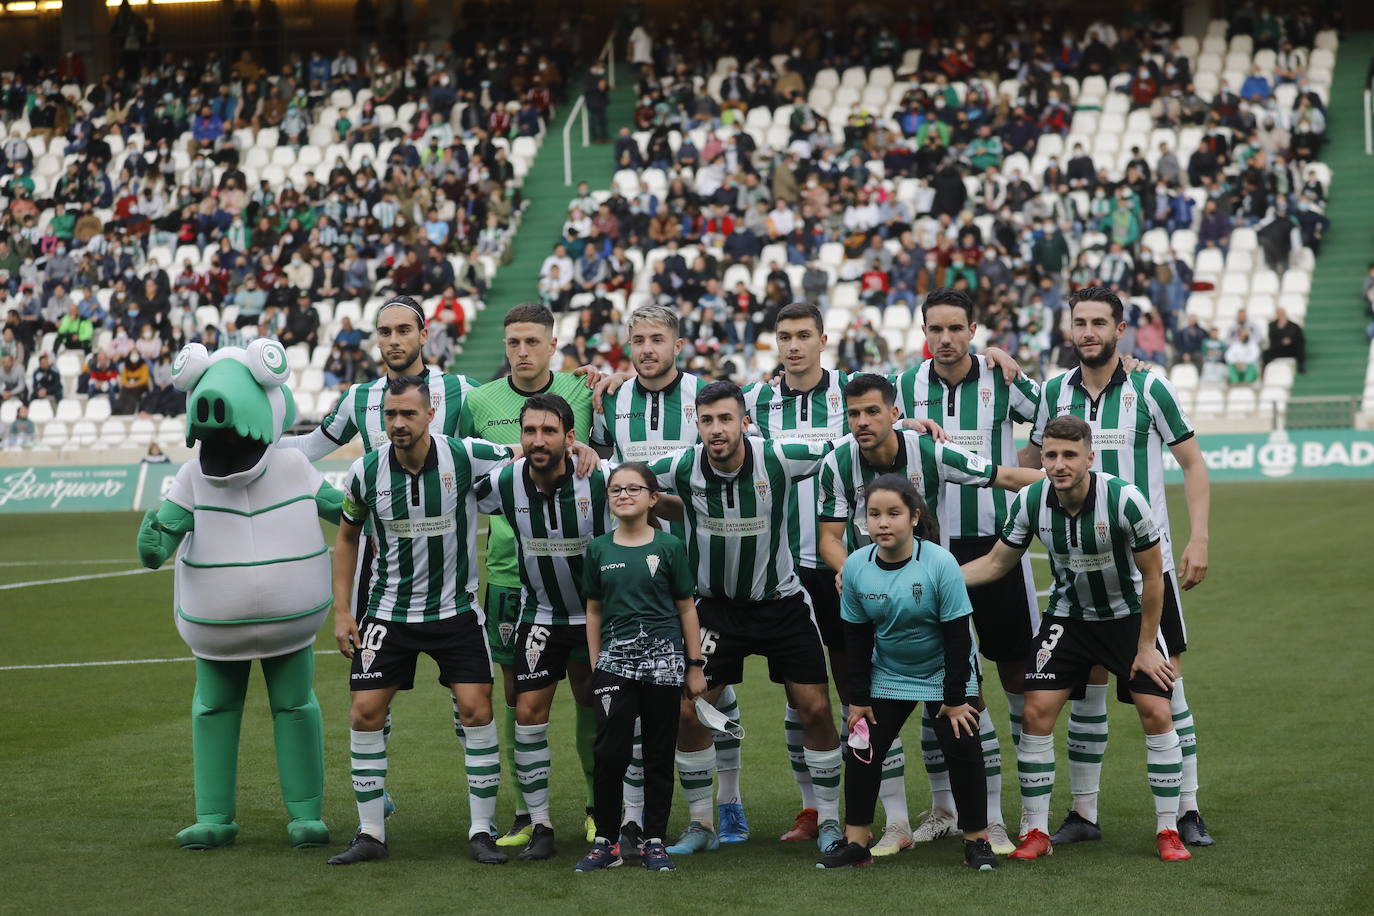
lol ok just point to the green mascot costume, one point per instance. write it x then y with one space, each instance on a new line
252 580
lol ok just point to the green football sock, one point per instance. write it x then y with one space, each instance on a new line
586 741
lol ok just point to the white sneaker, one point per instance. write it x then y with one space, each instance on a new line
937 825
896 837
998 839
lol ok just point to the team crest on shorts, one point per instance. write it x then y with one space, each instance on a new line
367 658
986 395
584 506
652 560
532 659
1102 531
1042 657
606 703
507 632
916 590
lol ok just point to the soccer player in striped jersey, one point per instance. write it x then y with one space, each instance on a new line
492 412
807 403
940 471
644 419
401 336
554 515
737 493
1104 609
1133 416
977 407
418 493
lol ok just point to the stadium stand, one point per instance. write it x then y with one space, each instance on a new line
1181 170
223 204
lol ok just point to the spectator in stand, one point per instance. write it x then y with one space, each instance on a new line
75 332
1243 360
302 324
21 431
46 382
1286 341
12 384
1150 344
1189 340
134 382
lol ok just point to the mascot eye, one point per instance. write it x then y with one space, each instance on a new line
267 361
189 366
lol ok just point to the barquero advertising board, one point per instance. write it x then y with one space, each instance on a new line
1300 455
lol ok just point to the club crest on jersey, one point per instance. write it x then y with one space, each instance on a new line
584 506
447 480
1128 400
916 589
689 412
761 487
986 395
1041 657
1102 531
652 560
915 478
507 631
367 658
436 397
532 659
835 401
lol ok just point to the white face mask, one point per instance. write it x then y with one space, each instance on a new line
716 720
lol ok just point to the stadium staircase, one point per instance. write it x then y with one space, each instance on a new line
1337 349
483 353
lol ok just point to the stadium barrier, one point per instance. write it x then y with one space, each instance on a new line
1339 454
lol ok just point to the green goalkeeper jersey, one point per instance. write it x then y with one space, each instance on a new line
492 412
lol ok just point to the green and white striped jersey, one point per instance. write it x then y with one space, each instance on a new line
978 413
643 425
812 416
424 526
1132 420
359 409
736 526
1092 554
551 535
932 467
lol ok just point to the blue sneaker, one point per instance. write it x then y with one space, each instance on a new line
829 833
696 838
734 826
599 858
655 858
388 805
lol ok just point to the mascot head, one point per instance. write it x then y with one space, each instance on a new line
237 406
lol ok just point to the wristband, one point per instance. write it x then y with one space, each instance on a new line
696 663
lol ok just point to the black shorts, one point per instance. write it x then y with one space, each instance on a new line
1067 649
1005 613
387 652
1171 619
825 603
542 653
783 631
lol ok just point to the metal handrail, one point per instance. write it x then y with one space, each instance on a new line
579 109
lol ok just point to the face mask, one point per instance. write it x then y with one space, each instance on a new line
718 721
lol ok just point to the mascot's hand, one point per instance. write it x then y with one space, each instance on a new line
152 541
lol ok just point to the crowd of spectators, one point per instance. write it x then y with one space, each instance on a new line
938 190
151 208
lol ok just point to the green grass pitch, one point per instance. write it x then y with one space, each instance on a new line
99 760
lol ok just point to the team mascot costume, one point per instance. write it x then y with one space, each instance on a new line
252 580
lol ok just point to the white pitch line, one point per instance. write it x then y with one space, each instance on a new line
108 575
125 661
8 563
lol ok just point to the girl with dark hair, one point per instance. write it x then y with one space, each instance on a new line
906 616
645 648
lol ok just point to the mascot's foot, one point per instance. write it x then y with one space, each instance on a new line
207 836
307 834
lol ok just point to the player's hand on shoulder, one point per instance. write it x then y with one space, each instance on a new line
606 386
1000 360
927 427
585 459
1130 364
